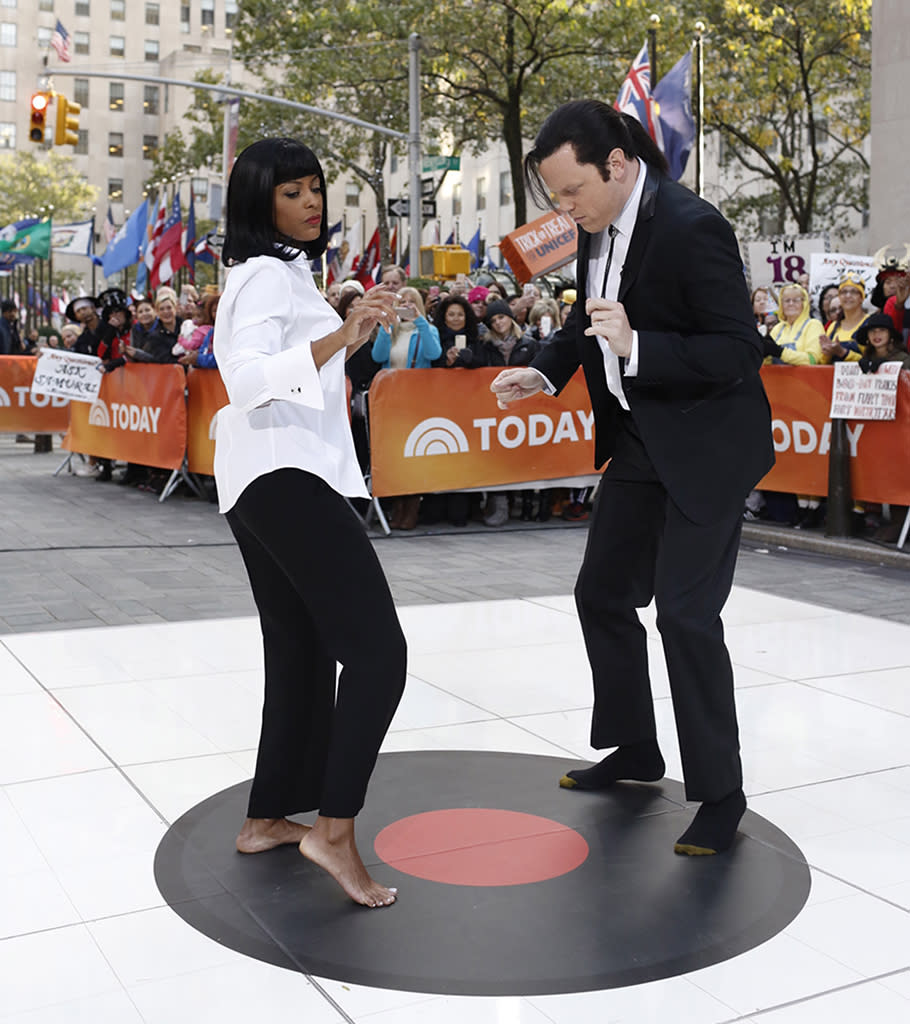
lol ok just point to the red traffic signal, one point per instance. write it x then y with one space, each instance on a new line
39 104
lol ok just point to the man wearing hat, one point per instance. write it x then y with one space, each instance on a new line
83 310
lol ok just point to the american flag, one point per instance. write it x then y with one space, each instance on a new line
60 41
169 256
635 95
157 229
110 228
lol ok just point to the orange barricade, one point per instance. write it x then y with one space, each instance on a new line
206 396
21 412
140 416
441 430
800 399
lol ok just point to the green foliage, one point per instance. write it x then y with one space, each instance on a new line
180 155
31 184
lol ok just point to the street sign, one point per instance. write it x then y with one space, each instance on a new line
400 208
427 187
440 163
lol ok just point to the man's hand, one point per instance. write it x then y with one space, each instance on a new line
376 307
902 289
512 385
609 321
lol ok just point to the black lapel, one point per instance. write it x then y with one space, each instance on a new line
642 232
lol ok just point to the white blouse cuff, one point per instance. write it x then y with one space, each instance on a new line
291 376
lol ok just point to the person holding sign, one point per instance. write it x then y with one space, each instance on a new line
682 416
284 460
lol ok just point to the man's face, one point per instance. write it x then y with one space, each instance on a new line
9 314
85 313
393 277
580 191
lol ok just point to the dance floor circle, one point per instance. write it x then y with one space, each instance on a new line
508 885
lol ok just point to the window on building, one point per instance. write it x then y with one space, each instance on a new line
7 3
185 16
149 147
151 49
152 14
118 10
505 188
456 200
80 42
82 8
351 194
150 99
200 189
81 147
230 14
115 100
393 167
117 46
7 135
115 190
207 7
45 5
115 143
481 194
80 91
44 38
7 33
8 85
821 131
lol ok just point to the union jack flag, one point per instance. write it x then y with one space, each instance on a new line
60 41
635 96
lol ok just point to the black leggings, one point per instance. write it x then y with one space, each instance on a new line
323 599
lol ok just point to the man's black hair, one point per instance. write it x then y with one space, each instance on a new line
8 306
593 130
258 171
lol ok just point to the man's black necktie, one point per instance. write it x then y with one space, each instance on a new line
613 232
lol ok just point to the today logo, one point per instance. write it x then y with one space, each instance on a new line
804 439
141 419
441 436
25 397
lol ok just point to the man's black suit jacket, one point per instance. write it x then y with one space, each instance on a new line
697 400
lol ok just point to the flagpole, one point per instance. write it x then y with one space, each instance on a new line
699 110
652 47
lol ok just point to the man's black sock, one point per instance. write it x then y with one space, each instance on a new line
714 826
634 762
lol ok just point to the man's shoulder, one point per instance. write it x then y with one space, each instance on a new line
677 199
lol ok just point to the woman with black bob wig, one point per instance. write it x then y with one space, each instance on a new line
284 462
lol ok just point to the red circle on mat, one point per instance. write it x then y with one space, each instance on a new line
481 846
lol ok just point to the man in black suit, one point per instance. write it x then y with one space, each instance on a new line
664 330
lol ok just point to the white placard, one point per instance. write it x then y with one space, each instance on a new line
67 375
832 267
864 396
780 259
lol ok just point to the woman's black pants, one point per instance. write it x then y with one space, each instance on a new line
323 600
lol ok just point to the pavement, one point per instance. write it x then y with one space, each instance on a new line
76 553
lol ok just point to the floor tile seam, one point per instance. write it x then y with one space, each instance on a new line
858 890
807 682
827 782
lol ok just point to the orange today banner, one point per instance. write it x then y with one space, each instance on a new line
21 412
441 430
206 395
800 398
140 416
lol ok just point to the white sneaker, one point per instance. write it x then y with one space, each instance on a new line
87 470
496 512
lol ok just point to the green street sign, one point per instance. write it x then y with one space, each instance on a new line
441 163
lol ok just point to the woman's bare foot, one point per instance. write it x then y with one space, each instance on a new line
261 834
330 844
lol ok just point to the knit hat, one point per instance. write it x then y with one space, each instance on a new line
861 334
478 294
79 300
853 282
496 308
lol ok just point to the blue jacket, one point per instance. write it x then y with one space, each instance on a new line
205 357
424 343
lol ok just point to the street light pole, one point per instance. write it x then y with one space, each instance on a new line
699 109
415 218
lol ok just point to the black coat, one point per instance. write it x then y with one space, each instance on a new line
697 401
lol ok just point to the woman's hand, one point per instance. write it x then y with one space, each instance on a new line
189 358
451 355
376 307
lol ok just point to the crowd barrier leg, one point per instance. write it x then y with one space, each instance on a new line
66 464
904 531
174 479
375 507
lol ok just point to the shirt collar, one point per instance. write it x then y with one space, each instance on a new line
625 222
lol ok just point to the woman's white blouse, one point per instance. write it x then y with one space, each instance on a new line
283 412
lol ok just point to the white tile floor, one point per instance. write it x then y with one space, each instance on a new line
108 735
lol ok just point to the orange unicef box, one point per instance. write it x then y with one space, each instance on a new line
541 246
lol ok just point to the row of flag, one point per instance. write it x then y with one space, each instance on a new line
664 112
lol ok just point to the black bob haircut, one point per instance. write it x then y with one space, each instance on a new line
593 130
257 172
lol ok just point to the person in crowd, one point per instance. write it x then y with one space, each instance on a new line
412 344
796 337
284 460
333 294
681 414
143 321
520 307
69 335
394 276
496 291
187 307
200 350
896 305
566 303
351 285
828 304
162 335
10 339
838 343
763 310
544 321
885 286
84 311
458 330
30 342
477 298
115 313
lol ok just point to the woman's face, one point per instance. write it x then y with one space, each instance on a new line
297 208
455 317
791 304
117 318
833 307
480 309
501 324
167 311
760 303
145 313
850 298
880 338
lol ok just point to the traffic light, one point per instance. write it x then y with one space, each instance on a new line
67 129
39 104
